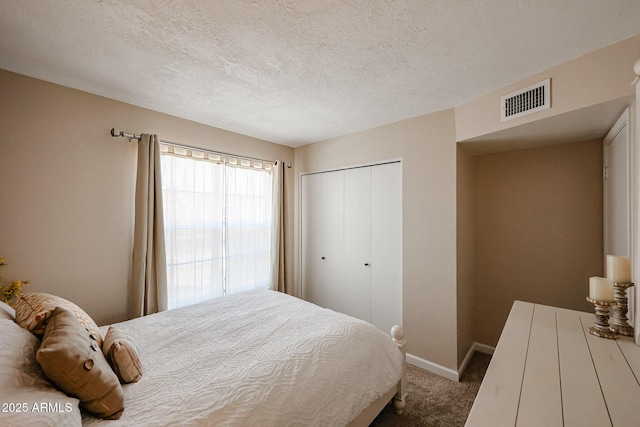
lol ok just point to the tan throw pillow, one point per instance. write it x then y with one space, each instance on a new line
34 308
121 352
73 361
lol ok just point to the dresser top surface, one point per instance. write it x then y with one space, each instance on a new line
548 370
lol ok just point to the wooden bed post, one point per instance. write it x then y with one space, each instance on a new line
397 334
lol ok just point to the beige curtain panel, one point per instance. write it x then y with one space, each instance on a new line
278 266
149 281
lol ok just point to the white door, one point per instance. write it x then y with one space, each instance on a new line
616 190
617 197
322 237
351 242
357 243
386 245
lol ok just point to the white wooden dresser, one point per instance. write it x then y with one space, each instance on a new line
547 370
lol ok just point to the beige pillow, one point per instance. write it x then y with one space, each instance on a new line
34 308
121 352
73 361
23 384
7 312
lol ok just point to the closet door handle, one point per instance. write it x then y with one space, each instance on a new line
366 264
323 257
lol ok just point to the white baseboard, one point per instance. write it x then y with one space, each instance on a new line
446 372
432 367
476 346
483 348
466 360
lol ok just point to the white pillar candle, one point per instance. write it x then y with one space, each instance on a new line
600 289
619 269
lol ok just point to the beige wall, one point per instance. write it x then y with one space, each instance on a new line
465 246
538 230
427 147
67 187
600 76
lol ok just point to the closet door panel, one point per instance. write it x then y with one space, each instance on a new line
357 243
386 245
309 187
322 238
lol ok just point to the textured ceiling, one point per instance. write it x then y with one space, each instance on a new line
295 72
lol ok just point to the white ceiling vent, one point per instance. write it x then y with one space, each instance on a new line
526 101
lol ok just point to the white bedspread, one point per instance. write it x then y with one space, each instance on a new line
256 359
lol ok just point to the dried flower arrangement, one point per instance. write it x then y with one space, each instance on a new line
10 291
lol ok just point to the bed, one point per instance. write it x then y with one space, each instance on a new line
260 358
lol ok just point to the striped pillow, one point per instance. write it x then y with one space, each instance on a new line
33 309
121 352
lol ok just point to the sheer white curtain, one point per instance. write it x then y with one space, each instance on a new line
248 226
217 225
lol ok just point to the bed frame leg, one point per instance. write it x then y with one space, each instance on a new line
397 334
398 405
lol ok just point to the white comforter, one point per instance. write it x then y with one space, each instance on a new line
256 359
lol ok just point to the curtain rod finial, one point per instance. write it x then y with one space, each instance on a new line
116 132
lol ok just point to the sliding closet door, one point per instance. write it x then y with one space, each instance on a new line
322 238
357 243
386 245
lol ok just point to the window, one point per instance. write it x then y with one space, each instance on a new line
217 221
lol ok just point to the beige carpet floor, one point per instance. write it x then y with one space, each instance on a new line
434 401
